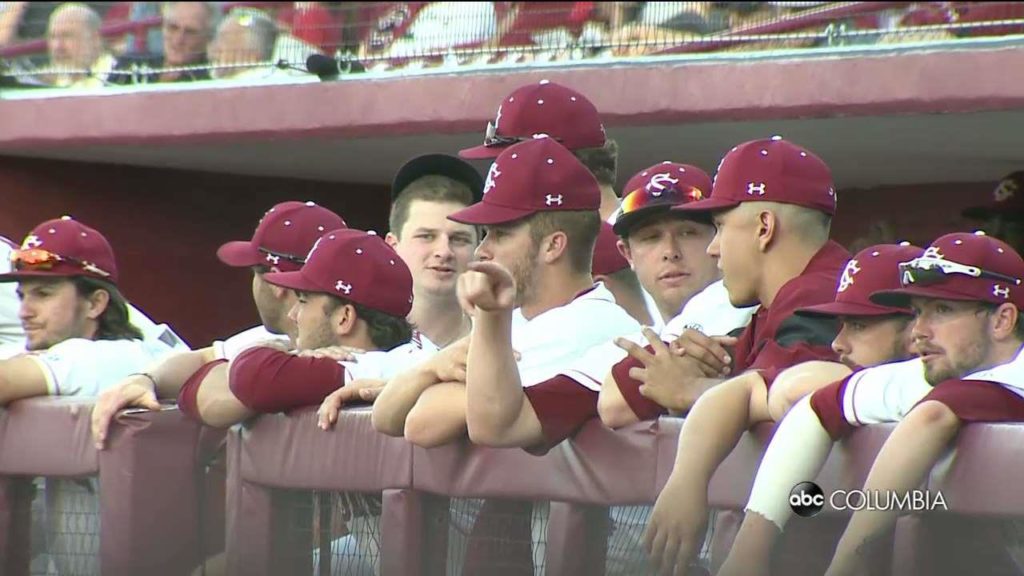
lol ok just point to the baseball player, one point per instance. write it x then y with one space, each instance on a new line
1003 216
561 113
966 292
78 337
540 214
771 203
283 237
424 192
870 334
353 291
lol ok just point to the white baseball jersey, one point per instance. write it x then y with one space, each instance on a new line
708 311
12 335
81 367
11 331
233 346
385 365
886 393
556 339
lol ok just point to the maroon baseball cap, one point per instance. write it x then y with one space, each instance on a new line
871 270
961 266
1007 200
769 170
541 108
607 258
537 175
63 247
657 189
357 266
283 237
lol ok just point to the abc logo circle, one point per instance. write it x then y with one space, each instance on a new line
806 499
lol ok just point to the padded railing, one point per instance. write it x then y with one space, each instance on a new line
581 479
158 484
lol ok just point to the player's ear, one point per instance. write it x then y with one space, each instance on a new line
390 239
767 226
1004 321
623 247
553 246
97 303
343 320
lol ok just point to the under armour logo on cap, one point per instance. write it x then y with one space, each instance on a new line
553 199
1001 291
341 286
758 188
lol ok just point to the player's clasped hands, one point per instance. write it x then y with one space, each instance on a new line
668 377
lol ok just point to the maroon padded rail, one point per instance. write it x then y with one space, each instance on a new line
150 478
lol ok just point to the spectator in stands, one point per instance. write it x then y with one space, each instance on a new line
412 32
612 269
11 14
870 335
772 204
188 27
563 114
79 338
77 56
280 243
243 46
540 213
353 292
1003 217
968 337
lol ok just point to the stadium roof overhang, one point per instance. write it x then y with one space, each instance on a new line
877 117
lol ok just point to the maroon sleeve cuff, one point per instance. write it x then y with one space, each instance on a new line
562 406
267 380
827 403
644 408
188 397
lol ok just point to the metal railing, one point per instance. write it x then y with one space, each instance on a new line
245 40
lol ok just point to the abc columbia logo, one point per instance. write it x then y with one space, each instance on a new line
807 499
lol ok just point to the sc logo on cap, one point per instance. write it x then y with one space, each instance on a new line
806 499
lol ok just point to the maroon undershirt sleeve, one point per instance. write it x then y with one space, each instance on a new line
827 403
562 406
644 408
268 380
188 396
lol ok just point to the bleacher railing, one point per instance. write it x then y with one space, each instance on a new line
148 504
300 500
250 40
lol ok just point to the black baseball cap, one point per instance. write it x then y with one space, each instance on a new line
439 165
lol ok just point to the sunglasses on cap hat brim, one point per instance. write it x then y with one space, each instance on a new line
300 260
927 271
33 259
493 140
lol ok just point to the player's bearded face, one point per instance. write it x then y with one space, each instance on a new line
873 341
51 311
313 322
951 337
